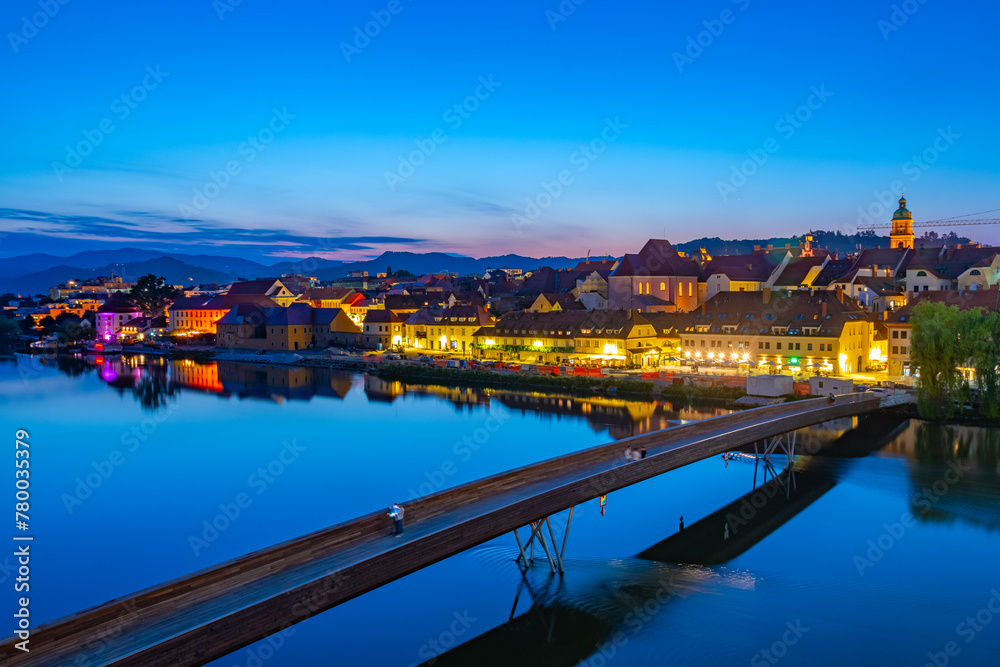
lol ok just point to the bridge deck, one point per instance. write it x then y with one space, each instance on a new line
203 616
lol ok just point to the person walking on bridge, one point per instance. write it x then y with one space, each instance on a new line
628 455
396 512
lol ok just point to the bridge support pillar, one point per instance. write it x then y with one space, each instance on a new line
554 555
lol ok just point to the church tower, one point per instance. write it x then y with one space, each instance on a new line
902 226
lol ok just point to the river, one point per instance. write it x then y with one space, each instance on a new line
885 552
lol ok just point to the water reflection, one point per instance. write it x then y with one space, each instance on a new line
601 606
155 380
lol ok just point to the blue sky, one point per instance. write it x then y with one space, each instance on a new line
313 134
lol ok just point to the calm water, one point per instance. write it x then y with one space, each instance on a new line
131 459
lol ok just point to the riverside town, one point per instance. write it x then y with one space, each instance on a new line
582 334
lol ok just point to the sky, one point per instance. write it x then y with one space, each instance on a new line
342 129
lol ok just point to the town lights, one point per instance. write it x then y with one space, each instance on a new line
735 356
536 343
746 357
490 341
711 355
611 348
843 362
687 354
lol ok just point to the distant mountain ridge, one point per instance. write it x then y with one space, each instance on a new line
37 272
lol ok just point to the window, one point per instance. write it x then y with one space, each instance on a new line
895 334
809 347
902 335
798 346
663 287
760 345
921 274
767 346
902 349
777 346
822 347
895 349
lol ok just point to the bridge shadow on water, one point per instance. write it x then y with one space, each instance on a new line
603 603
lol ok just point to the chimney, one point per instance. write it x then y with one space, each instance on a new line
824 308
840 294
767 295
703 309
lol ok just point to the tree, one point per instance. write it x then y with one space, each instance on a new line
47 324
151 294
9 334
938 348
984 339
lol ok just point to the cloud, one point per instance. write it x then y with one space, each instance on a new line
150 228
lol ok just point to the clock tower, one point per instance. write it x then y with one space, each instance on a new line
902 226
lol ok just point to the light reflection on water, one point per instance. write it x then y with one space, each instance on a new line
366 442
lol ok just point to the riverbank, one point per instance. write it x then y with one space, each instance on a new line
475 377
909 411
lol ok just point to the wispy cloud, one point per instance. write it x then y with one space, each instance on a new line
154 229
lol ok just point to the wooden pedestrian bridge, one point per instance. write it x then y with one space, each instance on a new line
210 613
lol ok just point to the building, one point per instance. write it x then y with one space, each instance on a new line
810 330
617 338
112 316
546 302
656 279
271 288
99 286
141 327
738 273
445 329
196 314
901 235
296 327
382 329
